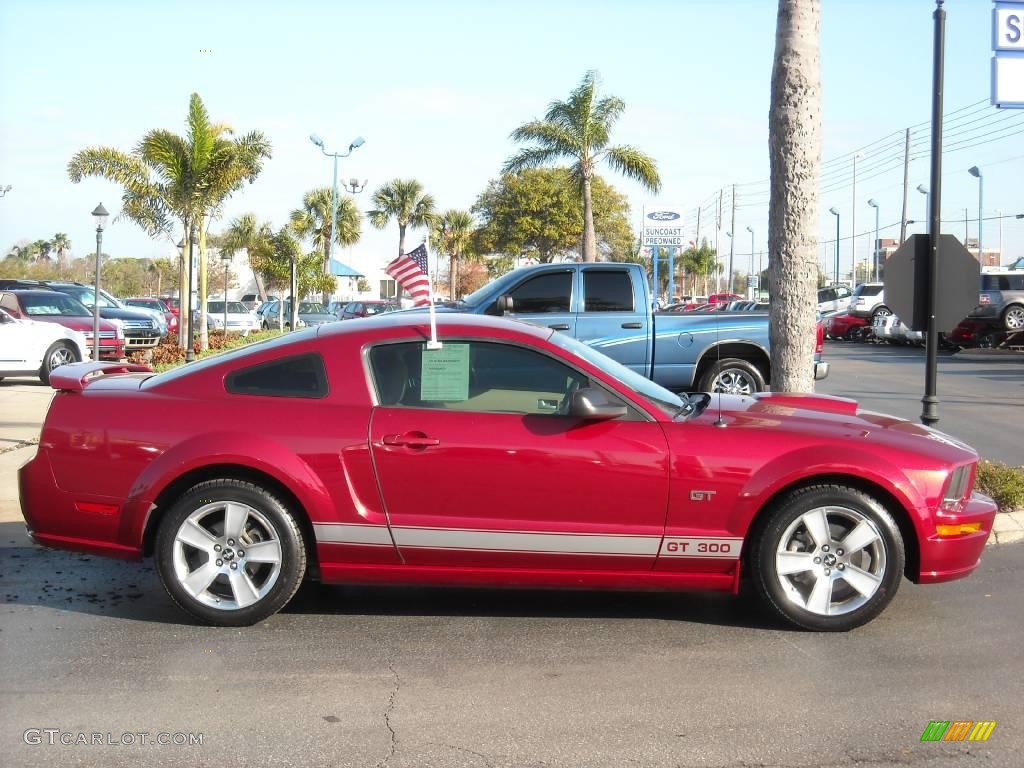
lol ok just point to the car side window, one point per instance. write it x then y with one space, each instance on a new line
843 292
607 290
9 302
826 294
294 376
550 292
482 377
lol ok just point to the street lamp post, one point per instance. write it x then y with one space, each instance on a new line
190 354
750 271
878 246
100 215
975 171
357 142
182 304
927 202
225 257
835 213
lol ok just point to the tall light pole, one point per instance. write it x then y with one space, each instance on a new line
975 171
182 325
751 270
878 245
732 244
927 202
100 215
853 224
190 354
357 142
225 257
835 213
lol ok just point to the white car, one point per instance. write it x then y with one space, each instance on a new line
240 319
834 298
30 348
890 328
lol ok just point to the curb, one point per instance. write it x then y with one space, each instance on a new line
1008 528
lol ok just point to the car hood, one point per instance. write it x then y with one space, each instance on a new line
833 419
316 318
118 313
75 323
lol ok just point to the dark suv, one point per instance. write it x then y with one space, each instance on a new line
1002 298
143 328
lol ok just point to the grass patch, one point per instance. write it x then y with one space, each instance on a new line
1005 484
168 354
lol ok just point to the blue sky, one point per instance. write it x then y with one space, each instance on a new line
435 88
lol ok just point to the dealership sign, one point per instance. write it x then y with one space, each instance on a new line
1008 62
663 227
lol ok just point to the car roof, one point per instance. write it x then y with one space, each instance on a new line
45 292
448 324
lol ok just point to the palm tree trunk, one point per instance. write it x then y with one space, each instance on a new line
401 239
453 277
794 148
184 294
204 334
588 249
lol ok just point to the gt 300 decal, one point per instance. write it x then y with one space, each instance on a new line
688 547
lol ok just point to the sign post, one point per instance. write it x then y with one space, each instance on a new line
662 228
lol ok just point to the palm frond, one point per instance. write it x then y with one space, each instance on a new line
634 164
531 157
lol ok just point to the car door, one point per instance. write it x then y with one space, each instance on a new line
15 343
843 298
826 300
479 466
611 320
546 299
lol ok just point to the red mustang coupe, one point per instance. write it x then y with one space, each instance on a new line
513 455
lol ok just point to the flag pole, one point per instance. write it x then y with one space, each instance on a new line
433 343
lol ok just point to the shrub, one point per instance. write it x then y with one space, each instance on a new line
1005 484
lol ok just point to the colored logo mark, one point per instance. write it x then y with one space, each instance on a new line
958 730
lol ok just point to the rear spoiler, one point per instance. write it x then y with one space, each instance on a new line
74 376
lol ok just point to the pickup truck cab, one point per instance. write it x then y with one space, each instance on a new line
609 307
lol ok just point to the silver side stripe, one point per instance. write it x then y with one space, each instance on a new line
522 541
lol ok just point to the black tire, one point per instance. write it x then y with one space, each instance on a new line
887 555
737 370
1013 318
880 311
285 529
60 353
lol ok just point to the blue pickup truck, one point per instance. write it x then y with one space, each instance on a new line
609 307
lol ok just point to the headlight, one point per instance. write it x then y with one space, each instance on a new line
958 488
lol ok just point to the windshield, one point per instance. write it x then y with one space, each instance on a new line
57 304
234 308
376 309
311 308
669 402
495 288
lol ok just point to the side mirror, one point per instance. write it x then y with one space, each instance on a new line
594 404
504 304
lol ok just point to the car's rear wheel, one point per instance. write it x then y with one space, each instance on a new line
829 558
230 553
732 376
1013 318
880 312
60 353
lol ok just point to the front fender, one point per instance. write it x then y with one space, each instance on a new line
254 452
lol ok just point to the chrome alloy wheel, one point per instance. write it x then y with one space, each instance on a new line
830 561
227 555
1014 319
734 381
60 356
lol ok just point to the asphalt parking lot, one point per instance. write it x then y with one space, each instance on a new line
425 677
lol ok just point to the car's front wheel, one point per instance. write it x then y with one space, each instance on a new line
60 353
828 558
230 553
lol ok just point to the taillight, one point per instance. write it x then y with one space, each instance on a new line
984 299
820 346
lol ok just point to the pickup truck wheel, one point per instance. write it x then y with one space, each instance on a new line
230 553
732 376
1013 318
59 353
829 558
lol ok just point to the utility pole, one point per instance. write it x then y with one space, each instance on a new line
732 240
906 186
853 226
718 237
696 238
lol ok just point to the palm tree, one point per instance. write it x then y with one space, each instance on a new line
254 237
61 243
404 201
452 234
22 253
313 220
794 149
579 130
169 178
41 249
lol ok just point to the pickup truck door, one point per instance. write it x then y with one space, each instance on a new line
546 299
611 317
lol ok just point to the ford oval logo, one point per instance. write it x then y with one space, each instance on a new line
663 215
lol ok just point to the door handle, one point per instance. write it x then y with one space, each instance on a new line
633 326
411 440
559 327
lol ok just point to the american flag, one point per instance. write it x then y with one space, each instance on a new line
411 272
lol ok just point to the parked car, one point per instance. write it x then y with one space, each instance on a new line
1002 298
252 301
48 306
310 313
157 305
365 308
868 300
828 506
143 328
607 305
239 318
891 329
30 348
173 304
834 298
723 298
844 325
976 332
18 284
